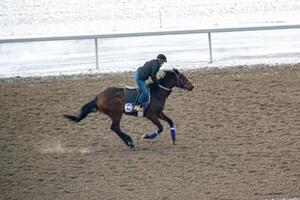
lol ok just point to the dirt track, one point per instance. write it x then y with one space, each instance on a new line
238 137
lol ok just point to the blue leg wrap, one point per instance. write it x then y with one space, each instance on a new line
153 135
173 133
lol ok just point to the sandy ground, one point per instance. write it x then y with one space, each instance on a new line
238 136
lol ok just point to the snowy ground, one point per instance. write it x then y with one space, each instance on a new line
32 17
126 54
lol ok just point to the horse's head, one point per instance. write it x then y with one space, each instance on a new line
182 81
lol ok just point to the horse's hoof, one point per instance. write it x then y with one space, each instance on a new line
174 142
130 144
145 137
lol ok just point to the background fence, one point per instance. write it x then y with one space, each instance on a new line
95 37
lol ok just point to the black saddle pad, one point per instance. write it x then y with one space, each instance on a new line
130 98
130 95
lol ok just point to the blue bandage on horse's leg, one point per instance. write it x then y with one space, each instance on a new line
173 133
153 135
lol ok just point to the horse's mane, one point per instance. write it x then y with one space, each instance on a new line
163 77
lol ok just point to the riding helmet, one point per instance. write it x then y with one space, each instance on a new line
162 57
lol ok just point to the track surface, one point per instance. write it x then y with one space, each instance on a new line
238 138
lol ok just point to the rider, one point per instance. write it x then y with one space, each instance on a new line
149 69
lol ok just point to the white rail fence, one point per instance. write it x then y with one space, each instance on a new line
143 34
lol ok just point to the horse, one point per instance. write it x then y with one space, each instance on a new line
111 102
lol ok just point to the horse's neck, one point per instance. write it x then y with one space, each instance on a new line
169 84
167 90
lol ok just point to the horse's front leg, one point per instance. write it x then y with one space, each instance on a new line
155 120
171 124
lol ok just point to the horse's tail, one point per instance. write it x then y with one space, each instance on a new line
85 110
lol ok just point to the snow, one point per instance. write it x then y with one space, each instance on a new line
127 54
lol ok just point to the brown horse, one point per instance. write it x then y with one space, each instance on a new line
111 102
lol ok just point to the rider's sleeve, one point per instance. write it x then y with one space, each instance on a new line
154 70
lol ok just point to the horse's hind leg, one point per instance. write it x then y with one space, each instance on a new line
115 126
111 104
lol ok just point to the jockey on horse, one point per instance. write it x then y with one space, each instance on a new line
149 69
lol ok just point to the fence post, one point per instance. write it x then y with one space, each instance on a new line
210 49
96 53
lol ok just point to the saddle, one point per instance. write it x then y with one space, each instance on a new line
130 97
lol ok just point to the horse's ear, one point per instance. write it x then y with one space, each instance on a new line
176 71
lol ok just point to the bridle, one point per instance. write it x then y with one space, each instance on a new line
179 81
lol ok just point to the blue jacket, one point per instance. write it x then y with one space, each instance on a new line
149 69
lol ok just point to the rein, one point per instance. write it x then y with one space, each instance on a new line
179 81
168 89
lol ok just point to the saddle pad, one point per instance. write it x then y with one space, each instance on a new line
130 95
130 98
